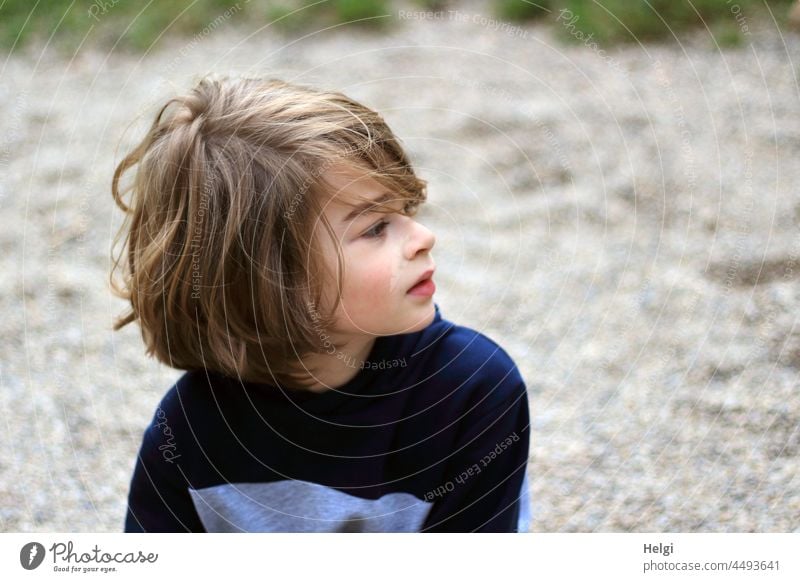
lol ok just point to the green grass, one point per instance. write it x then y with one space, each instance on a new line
351 10
294 16
131 25
625 21
522 10
138 26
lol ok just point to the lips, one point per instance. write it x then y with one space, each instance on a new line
426 275
424 285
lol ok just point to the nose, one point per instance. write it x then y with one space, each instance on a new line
420 240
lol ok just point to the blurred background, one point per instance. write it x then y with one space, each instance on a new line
613 185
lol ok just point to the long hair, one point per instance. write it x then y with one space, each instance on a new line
217 255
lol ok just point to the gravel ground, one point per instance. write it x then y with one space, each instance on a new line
624 223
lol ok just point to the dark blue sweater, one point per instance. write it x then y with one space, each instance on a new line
431 434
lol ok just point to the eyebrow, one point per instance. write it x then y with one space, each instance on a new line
367 206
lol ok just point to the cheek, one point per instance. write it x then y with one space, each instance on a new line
368 284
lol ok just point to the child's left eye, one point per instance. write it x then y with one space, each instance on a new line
377 229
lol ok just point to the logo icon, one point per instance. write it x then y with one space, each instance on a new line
31 555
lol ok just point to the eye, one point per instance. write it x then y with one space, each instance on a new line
376 231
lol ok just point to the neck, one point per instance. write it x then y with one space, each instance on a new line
330 371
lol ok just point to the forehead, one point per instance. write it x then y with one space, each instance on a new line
347 189
346 185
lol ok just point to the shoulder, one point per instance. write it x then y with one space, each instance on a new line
191 392
185 420
470 358
187 405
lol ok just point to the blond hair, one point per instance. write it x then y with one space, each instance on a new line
218 259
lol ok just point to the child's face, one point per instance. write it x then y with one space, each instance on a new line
384 256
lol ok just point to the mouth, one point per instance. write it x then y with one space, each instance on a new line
424 285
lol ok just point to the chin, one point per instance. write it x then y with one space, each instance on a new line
411 321
422 320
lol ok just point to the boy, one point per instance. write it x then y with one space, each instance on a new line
270 250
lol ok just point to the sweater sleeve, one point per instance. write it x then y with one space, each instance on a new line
485 486
159 499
